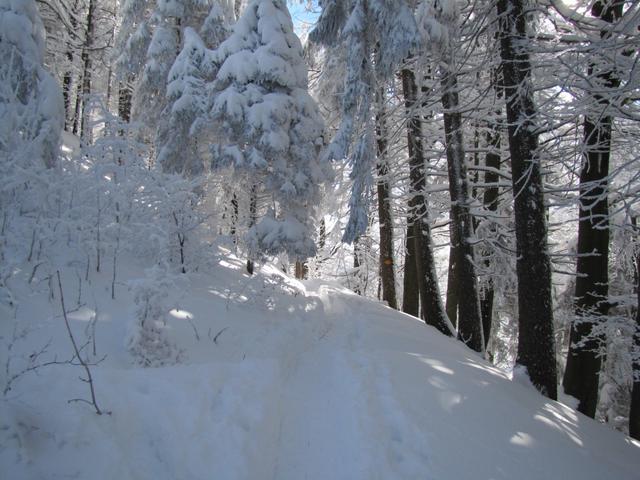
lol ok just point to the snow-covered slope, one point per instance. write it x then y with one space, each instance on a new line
277 379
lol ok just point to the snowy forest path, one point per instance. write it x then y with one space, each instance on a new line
338 417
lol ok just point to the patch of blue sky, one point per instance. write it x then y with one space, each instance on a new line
304 14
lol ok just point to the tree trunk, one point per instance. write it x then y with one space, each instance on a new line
67 83
582 374
451 302
253 215
536 342
490 202
124 101
465 279
301 270
357 266
432 309
410 295
385 220
85 129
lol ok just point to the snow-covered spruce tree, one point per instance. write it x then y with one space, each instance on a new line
181 140
146 337
168 21
376 36
31 105
273 128
132 42
31 119
363 27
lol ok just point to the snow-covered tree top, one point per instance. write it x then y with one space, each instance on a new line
21 26
263 48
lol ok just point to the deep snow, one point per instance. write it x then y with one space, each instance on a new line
305 380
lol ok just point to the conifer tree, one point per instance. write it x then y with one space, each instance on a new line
273 128
31 107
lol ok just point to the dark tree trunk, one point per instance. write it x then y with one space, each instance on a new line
410 295
385 220
77 111
85 129
432 309
67 84
124 101
253 215
451 302
465 279
536 342
234 218
582 374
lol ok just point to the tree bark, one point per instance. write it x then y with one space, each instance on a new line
85 129
385 220
124 101
582 374
432 309
451 302
410 295
253 215
465 279
536 342
490 202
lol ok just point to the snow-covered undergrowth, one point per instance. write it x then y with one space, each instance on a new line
265 377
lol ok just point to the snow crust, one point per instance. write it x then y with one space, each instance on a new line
277 379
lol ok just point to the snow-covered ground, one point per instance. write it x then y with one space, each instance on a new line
276 379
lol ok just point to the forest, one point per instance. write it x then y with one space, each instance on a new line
474 164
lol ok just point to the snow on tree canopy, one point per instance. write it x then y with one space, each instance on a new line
186 95
377 35
274 130
30 101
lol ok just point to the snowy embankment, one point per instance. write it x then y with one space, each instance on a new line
276 379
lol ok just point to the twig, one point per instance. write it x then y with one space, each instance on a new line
215 339
89 378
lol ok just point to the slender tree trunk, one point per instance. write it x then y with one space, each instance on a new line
385 220
490 202
67 80
357 266
85 129
433 311
77 111
465 278
124 101
253 215
536 342
67 84
451 302
301 270
234 218
410 295
582 374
